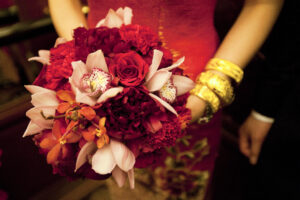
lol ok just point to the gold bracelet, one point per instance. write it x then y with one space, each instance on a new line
226 67
207 95
218 84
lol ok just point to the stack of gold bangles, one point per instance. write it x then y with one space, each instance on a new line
214 88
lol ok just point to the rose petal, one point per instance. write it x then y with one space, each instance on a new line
35 115
162 102
87 149
119 176
158 80
37 89
157 56
44 99
124 158
112 20
176 64
112 92
103 161
32 129
59 41
96 59
183 84
79 69
131 178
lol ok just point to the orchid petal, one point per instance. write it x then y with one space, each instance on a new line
183 84
127 15
79 69
112 92
44 57
87 149
96 59
124 158
119 176
103 160
162 102
157 56
176 64
100 23
158 80
37 89
32 129
59 41
82 97
131 178
35 114
112 20
44 99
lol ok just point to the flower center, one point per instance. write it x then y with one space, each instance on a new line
62 141
96 82
168 92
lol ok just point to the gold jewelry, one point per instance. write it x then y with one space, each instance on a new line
207 95
226 67
207 116
218 84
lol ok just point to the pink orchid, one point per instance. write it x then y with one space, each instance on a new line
44 55
115 19
168 85
91 81
113 158
44 102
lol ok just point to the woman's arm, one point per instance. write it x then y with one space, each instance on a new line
66 16
243 39
249 31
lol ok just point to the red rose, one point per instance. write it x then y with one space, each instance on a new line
130 68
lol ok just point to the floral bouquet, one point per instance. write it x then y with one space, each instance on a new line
107 101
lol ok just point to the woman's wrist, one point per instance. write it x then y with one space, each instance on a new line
214 85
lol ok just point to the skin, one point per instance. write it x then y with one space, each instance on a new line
252 135
240 44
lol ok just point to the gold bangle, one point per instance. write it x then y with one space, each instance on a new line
219 85
207 95
226 67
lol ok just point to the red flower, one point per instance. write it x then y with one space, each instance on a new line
130 68
56 75
140 37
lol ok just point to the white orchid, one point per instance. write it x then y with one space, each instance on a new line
168 85
113 158
91 81
115 19
44 55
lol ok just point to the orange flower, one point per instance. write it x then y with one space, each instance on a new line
55 142
91 133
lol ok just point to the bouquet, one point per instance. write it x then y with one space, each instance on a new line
108 101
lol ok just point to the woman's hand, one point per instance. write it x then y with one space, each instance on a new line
197 107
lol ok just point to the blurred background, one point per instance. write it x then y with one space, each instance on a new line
25 27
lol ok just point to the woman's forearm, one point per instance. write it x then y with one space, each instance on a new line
66 15
249 31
